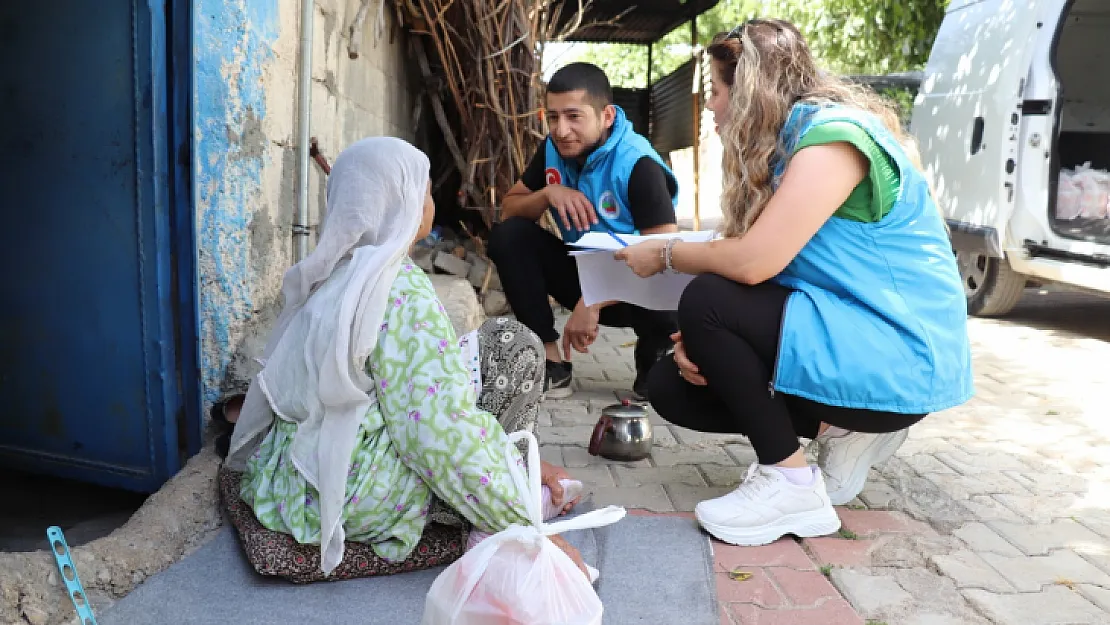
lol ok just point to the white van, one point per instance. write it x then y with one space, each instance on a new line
1014 91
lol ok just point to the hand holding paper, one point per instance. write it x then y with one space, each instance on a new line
645 259
605 278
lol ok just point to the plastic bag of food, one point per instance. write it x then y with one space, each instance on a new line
1094 191
518 576
1068 196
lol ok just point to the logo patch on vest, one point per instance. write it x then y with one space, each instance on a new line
553 176
607 205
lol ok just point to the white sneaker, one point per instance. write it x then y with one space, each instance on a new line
845 459
766 507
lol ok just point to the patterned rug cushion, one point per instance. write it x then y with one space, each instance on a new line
276 554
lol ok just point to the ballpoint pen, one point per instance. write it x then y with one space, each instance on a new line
619 240
609 229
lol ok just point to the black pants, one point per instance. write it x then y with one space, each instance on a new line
533 263
731 332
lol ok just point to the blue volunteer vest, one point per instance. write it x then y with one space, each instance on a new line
878 317
603 179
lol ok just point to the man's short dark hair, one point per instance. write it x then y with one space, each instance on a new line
583 77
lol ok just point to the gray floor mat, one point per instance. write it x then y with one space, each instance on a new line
653 570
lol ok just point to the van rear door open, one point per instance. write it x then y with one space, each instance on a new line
967 114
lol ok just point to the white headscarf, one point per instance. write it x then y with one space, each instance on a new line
335 300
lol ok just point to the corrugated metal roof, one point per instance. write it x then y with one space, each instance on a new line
636 21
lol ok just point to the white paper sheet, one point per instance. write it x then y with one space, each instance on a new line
604 278
607 241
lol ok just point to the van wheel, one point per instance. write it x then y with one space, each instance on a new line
992 288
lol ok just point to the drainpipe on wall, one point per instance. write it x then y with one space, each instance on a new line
301 228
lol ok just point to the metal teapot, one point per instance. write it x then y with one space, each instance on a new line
623 432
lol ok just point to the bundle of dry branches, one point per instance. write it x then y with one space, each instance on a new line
483 59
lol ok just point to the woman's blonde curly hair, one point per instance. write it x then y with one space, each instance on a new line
773 70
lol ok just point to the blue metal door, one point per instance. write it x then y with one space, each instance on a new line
90 344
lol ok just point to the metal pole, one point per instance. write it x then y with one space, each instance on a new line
304 110
697 88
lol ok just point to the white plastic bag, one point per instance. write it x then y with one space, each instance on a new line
518 576
1094 191
1068 196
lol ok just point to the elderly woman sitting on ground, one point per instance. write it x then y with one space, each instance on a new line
369 416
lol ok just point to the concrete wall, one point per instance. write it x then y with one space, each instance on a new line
246 55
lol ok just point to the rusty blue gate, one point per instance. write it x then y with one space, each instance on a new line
97 316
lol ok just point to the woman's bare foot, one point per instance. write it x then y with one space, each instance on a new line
232 409
227 411
225 414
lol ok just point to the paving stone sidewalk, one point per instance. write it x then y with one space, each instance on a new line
994 512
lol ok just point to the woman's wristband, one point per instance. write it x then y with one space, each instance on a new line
668 254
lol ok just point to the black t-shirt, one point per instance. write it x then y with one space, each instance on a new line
649 189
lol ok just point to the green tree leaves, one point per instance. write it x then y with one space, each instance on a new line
848 36
868 36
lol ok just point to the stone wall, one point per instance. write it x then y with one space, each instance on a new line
246 64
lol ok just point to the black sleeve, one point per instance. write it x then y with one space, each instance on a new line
534 177
649 195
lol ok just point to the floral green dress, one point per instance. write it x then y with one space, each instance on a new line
426 436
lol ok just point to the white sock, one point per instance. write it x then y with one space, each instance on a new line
798 476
